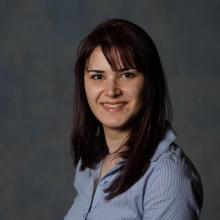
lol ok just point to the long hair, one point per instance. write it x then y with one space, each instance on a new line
136 50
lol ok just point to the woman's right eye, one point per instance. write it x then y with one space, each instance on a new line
96 76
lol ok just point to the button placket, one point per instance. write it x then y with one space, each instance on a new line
103 183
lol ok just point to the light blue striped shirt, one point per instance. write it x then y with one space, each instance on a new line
170 189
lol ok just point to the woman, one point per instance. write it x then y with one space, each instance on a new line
127 164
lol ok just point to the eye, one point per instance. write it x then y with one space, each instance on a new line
128 75
97 76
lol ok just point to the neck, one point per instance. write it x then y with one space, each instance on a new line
115 139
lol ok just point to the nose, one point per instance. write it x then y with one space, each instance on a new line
113 89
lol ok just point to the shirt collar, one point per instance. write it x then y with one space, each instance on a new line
164 144
96 171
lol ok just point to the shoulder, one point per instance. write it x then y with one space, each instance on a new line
174 183
174 161
174 170
171 166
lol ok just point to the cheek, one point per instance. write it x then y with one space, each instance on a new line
88 94
92 94
137 92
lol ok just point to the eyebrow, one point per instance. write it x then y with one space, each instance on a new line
101 71
96 71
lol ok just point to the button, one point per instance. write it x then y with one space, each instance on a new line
104 182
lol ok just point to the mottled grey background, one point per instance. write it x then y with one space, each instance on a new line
37 45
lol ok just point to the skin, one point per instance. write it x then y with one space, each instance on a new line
114 97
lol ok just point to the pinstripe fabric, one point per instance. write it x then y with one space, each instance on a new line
170 190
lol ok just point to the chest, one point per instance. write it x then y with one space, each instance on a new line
90 201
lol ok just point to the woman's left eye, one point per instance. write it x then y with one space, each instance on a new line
128 75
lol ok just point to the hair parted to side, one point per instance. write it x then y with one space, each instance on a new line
122 43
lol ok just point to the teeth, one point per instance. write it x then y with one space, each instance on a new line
115 106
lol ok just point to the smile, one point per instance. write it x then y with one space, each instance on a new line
113 107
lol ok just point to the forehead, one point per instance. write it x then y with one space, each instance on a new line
108 58
97 59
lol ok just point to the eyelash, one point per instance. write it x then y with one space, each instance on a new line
122 75
96 76
129 74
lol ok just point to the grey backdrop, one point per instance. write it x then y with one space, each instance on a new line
37 45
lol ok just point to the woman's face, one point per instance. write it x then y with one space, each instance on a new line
114 97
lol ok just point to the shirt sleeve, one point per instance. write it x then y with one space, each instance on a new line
173 191
76 209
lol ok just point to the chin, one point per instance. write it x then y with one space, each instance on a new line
112 124
115 125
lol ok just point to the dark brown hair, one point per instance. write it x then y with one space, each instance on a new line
137 50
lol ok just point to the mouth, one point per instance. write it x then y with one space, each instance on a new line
114 107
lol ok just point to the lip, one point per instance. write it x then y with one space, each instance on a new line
114 106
